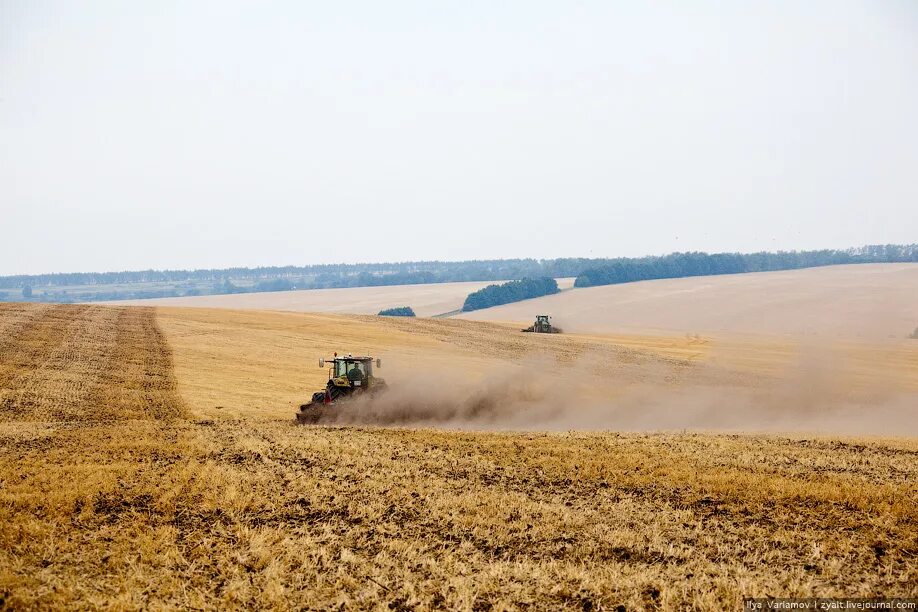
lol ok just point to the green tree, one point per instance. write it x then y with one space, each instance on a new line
400 311
27 292
513 291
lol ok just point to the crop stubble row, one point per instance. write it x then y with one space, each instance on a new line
84 363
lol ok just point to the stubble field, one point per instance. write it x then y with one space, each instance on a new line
148 459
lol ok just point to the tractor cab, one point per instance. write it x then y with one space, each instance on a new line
351 373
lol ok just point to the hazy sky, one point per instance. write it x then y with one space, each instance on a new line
192 134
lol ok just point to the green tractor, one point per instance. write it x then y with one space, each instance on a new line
543 325
347 377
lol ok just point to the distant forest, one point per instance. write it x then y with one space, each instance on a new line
678 265
95 286
513 291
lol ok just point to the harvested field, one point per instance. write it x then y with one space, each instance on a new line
188 486
239 364
426 300
869 302
215 514
84 363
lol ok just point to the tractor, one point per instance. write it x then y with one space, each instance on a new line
348 377
543 325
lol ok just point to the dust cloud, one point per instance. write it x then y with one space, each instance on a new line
815 393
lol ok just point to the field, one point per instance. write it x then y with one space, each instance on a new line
870 301
426 300
148 459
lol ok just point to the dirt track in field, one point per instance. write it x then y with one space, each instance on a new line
84 363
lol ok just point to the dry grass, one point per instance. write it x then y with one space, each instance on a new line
164 508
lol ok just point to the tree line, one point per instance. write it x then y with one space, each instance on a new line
506 293
678 265
313 276
92 286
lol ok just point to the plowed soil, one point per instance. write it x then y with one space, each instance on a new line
84 363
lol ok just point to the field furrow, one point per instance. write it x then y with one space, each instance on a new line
30 342
13 317
144 384
58 388
81 363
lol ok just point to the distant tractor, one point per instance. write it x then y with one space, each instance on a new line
543 325
347 377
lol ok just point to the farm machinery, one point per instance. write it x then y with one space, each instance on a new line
543 325
348 377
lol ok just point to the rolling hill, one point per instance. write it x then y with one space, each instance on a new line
870 301
426 300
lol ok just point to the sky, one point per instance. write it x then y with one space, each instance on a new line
162 134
